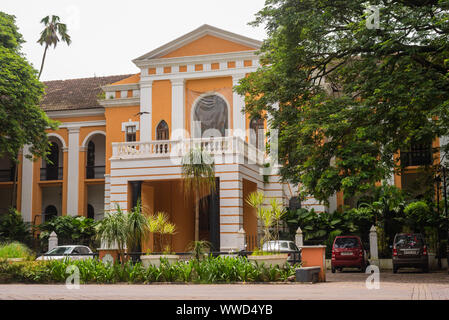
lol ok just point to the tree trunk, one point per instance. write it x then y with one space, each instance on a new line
197 216
43 61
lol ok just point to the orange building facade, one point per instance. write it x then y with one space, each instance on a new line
122 138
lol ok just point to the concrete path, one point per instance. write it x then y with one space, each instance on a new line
346 285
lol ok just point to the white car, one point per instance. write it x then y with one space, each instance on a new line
284 246
74 252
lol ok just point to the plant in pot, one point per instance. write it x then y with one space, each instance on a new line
269 217
159 225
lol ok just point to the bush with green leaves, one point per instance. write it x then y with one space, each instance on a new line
13 228
15 250
209 270
70 230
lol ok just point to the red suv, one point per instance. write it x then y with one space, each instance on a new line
348 251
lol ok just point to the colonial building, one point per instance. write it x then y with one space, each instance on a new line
123 137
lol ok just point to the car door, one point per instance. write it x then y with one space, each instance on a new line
85 253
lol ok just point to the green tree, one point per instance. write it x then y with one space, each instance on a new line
198 174
49 36
22 121
348 96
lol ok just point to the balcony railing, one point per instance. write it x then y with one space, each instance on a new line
178 148
7 175
51 173
96 172
421 157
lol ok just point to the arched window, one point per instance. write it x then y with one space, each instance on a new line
53 163
162 131
90 211
210 116
257 137
50 213
90 167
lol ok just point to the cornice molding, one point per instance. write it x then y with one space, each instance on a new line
122 102
120 87
97 111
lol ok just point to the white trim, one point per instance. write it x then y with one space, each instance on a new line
129 124
83 145
196 34
197 100
98 111
52 134
120 87
122 102
198 59
79 124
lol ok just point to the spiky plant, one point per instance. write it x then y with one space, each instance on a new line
159 224
137 226
198 174
113 231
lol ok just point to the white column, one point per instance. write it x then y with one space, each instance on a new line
238 103
73 174
177 109
146 110
443 141
27 185
298 238
373 246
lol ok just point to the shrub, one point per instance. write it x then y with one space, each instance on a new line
14 250
209 270
12 227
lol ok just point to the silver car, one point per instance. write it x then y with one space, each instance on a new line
284 246
74 252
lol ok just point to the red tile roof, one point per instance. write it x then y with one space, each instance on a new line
75 94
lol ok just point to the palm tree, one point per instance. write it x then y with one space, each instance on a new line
198 175
49 36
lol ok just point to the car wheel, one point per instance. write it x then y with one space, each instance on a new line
363 268
425 269
395 269
333 269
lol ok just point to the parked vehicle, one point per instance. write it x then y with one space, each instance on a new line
75 252
410 251
284 246
348 252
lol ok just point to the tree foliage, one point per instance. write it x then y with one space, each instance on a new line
346 97
22 121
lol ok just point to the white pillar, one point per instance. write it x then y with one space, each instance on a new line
73 171
241 240
443 141
27 185
298 238
177 109
373 246
146 109
238 103
52 241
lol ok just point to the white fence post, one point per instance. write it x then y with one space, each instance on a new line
373 246
241 240
298 238
52 241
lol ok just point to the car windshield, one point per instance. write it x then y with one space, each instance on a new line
275 245
346 243
408 240
60 250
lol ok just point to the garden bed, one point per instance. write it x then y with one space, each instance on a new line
210 270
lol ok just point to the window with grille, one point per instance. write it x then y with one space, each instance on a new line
130 133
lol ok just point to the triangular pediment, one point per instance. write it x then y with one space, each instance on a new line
203 41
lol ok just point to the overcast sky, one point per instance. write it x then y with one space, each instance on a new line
108 34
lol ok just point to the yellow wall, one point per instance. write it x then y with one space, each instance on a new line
207 45
161 101
114 118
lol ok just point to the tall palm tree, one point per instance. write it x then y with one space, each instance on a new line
198 175
49 36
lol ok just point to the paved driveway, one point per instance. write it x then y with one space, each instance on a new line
345 285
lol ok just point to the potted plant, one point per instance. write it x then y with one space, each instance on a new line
269 217
160 225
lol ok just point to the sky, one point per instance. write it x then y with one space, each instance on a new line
108 34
